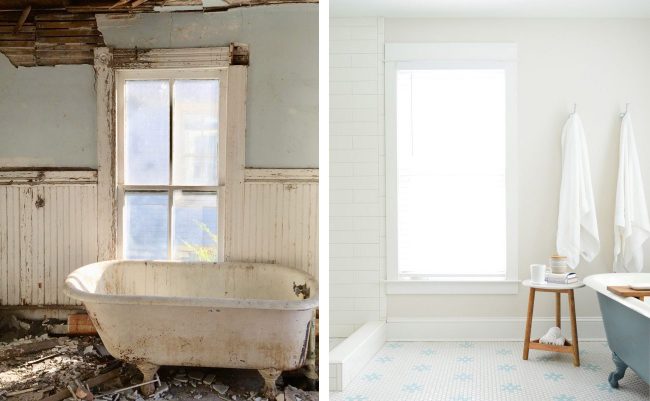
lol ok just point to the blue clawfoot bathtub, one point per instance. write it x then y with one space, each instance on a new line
627 324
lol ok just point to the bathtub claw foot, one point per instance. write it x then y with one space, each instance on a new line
618 374
270 377
148 371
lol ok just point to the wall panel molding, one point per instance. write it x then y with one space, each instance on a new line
278 174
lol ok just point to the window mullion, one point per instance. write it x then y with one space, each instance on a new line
170 191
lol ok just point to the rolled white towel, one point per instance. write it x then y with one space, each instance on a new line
553 336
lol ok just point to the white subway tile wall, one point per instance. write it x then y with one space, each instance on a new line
357 182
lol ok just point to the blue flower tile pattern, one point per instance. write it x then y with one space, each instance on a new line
422 368
488 371
554 376
511 387
464 377
506 368
371 377
592 367
412 388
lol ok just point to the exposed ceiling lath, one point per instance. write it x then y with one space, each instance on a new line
50 39
51 32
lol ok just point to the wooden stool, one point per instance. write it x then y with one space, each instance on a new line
558 289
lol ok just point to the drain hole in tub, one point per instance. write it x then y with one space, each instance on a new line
301 290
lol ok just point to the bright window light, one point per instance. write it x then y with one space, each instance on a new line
451 161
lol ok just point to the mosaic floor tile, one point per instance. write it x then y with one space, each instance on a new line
488 371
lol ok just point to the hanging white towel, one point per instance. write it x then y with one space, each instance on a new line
577 228
631 224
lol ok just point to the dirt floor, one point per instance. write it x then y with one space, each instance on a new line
38 365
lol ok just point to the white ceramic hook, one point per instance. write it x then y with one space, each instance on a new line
627 108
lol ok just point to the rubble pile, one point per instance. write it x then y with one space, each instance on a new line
35 365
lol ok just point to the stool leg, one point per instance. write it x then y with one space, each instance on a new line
574 330
529 322
558 320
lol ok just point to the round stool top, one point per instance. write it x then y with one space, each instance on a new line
553 286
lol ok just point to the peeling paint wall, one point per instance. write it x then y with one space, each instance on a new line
47 115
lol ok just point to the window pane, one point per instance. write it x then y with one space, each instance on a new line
145 225
196 132
451 161
146 121
195 226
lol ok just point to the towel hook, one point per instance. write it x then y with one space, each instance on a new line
574 109
627 107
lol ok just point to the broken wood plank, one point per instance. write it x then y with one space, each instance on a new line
45 358
29 348
22 18
92 382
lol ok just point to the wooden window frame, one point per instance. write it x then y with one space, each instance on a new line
112 66
121 76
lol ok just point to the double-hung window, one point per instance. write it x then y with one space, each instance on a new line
170 163
451 175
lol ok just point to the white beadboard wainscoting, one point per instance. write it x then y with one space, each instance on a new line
280 219
48 227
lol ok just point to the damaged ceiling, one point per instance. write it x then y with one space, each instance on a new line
52 32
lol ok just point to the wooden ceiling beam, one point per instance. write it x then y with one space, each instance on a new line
22 18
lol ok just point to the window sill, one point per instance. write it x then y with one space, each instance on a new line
426 287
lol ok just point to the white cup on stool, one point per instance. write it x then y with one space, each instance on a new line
538 274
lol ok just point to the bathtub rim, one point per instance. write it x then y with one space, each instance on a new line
72 291
599 283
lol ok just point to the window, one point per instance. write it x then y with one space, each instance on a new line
450 165
169 171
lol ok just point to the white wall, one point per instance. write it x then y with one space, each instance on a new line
47 115
600 65
357 190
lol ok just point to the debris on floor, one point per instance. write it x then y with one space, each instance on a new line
36 363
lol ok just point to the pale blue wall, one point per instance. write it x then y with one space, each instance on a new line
47 115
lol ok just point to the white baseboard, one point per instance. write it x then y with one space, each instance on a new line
350 356
486 329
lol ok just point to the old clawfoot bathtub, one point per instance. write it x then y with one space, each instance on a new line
627 324
231 315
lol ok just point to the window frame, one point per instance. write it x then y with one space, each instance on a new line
401 56
123 75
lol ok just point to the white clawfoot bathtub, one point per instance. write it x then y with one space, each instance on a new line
232 315
627 324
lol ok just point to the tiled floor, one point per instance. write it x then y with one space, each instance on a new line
488 371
